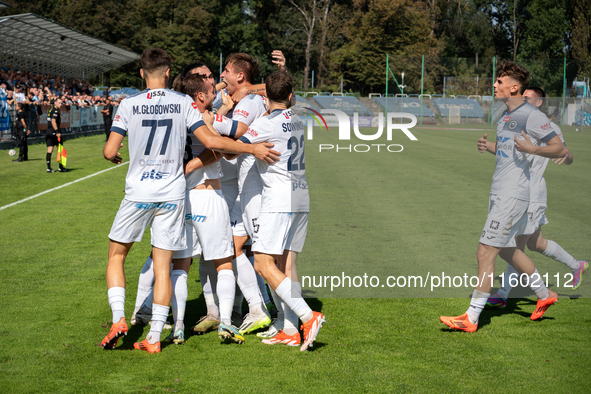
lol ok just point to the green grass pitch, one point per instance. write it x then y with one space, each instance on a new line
408 213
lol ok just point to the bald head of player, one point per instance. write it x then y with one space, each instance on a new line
240 71
200 89
279 87
512 80
155 68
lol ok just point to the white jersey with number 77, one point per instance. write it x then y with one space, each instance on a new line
156 122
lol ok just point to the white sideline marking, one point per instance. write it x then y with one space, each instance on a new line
59 187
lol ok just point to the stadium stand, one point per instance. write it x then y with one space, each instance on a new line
348 105
468 108
411 105
31 70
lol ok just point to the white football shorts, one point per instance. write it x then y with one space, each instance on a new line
536 217
166 218
238 229
507 218
193 245
230 192
279 231
208 213
251 208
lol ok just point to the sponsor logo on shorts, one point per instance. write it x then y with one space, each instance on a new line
195 218
151 205
233 223
154 175
494 224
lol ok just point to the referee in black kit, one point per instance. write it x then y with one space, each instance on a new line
54 118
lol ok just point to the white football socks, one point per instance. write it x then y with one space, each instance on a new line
510 275
179 298
280 307
159 315
247 281
298 305
290 326
208 276
555 251
225 290
117 301
477 304
536 283
145 283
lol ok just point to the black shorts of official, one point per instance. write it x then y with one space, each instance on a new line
51 138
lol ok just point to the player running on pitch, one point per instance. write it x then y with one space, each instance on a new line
536 212
520 133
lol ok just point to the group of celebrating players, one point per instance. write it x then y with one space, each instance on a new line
526 141
207 183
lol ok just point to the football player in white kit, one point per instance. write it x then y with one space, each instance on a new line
239 73
536 213
156 120
281 227
207 269
521 132
209 211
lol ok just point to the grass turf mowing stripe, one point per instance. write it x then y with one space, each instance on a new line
59 187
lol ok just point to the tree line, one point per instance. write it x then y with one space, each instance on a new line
340 39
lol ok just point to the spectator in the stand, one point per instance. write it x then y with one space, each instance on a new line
22 132
5 96
19 95
107 117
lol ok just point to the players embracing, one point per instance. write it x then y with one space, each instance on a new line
156 122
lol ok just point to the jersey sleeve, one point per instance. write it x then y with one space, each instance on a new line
246 111
193 116
121 120
224 126
539 126
556 128
257 132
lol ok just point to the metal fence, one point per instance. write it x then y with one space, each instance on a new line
74 122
